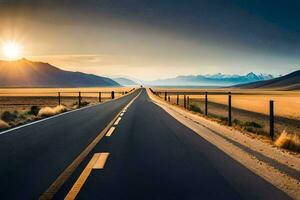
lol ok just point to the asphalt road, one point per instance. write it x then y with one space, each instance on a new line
153 156
34 156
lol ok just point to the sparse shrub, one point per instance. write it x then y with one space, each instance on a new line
224 119
253 124
288 141
82 104
48 111
213 115
256 130
195 107
23 116
34 110
250 129
8 116
237 122
3 125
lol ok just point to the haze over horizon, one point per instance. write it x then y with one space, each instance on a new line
156 39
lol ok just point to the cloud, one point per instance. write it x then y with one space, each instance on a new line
84 59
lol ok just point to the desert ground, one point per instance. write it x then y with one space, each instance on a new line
248 106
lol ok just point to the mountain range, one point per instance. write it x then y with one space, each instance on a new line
125 81
210 80
25 73
288 82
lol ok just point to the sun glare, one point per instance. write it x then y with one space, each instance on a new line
12 50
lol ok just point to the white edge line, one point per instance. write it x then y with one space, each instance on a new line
58 115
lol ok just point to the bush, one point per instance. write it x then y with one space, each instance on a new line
23 116
34 110
195 107
47 111
82 104
224 119
250 129
3 125
288 141
237 122
8 116
253 124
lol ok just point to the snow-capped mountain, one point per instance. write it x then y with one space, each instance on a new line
218 79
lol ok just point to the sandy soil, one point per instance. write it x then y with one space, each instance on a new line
279 167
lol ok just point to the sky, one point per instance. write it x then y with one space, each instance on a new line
153 39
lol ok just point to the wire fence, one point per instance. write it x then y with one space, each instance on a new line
18 101
265 114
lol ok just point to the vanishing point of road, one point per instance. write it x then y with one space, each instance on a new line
128 148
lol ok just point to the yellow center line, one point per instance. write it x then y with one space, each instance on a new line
111 130
117 121
62 178
97 162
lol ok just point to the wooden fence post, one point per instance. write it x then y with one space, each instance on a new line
206 102
272 119
169 98
112 94
184 101
99 97
79 99
229 110
165 96
177 101
188 102
58 98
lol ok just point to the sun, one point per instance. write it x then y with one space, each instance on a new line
12 50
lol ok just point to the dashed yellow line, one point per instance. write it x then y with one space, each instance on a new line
117 121
62 178
111 130
97 162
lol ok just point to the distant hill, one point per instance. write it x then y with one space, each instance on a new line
288 82
211 80
124 81
25 73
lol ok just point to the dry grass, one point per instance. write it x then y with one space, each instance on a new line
288 141
21 99
287 103
48 111
3 125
